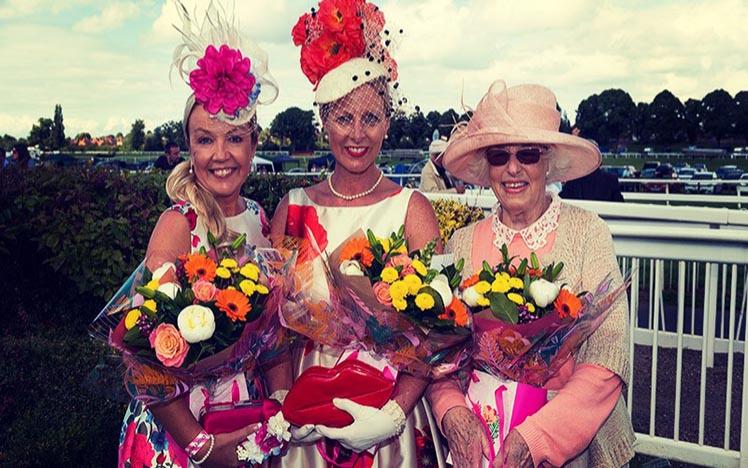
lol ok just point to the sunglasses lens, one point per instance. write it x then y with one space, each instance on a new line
529 155
497 157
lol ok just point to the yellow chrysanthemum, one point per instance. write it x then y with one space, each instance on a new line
500 285
398 290
150 304
399 304
419 267
424 301
152 285
229 263
262 289
223 273
414 284
132 318
248 287
516 298
389 275
530 307
504 276
250 271
484 302
516 283
482 287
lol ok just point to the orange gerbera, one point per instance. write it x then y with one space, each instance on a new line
234 304
470 282
199 267
567 304
456 312
358 249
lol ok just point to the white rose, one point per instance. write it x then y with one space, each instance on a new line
161 271
351 268
170 289
249 451
278 427
441 285
543 292
471 296
196 323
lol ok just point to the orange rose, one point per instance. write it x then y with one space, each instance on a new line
204 291
170 347
382 291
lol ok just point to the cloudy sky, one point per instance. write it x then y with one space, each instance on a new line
107 62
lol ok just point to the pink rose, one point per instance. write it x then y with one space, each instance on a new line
204 291
403 261
169 345
382 291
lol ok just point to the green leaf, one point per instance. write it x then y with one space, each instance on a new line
212 239
239 242
534 261
503 308
146 292
505 254
487 267
371 237
557 270
522 267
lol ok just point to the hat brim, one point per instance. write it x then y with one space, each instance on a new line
346 77
572 157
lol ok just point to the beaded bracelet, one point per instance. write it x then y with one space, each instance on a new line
197 443
207 454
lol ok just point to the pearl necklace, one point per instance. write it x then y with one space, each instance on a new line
355 196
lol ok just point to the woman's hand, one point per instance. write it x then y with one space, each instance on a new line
516 451
305 434
466 437
224 448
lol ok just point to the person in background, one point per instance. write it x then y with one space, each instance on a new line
20 156
3 161
170 158
434 177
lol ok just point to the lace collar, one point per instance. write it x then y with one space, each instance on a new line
534 235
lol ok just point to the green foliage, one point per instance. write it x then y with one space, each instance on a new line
57 140
136 138
295 129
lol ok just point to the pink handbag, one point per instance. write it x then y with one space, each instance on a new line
221 418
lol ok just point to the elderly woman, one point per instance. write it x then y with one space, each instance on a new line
355 104
222 138
512 144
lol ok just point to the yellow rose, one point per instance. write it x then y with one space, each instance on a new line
500 285
150 304
389 275
262 289
483 301
223 273
424 301
482 287
132 318
229 263
398 290
248 287
516 298
530 307
516 283
152 285
250 271
414 284
419 267
399 304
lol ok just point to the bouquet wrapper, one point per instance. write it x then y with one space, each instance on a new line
501 405
350 317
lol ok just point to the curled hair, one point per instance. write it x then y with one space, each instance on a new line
183 185
382 88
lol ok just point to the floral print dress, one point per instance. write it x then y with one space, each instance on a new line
143 441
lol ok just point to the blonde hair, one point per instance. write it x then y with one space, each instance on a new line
183 185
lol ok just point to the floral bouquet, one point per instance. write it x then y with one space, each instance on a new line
209 315
526 327
388 302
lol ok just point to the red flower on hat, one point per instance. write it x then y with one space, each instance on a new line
342 18
300 31
222 80
325 53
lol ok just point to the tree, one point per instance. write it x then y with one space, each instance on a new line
136 138
397 134
692 117
606 118
171 131
418 130
640 131
434 118
41 133
7 141
665 121
58 139
718 114
295 126
564 126
741 115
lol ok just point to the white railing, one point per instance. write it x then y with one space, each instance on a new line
688 349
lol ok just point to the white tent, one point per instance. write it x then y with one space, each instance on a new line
263 163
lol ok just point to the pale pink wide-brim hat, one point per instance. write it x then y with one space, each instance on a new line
517 115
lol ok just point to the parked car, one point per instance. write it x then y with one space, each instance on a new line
622 172
680 165
649 165
700 183
728 172
700 167
686 173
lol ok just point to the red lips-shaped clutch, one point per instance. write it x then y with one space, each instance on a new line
310 398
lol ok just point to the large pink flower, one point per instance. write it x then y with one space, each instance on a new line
170 347
222 80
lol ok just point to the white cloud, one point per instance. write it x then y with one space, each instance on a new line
19 8
111 17
16 124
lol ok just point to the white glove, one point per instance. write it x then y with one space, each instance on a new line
305 434
370 425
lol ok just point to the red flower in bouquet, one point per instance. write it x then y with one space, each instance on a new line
234 304
222 80
199 267
302 222
326 53
567 304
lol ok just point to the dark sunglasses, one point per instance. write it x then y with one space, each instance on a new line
500 156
